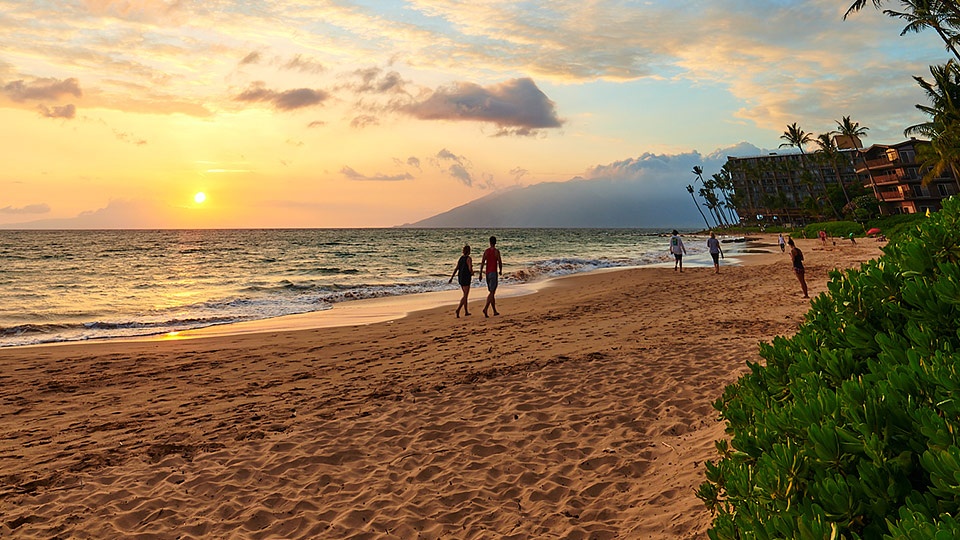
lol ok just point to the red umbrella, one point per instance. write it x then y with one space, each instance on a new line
873 231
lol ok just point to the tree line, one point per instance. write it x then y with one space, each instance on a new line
810 195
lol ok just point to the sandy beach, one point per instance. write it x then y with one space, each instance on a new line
583 411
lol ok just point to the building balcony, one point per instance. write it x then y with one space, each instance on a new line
880 163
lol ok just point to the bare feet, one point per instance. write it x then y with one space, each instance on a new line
495 313
485 313
467 314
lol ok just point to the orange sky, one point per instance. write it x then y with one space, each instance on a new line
378 113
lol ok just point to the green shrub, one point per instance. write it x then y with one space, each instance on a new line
833 228
851 429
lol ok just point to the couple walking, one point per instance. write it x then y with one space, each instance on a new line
464 273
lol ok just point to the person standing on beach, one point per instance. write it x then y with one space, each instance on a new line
676 247
797 257
464 273
714 246
781 242
494 268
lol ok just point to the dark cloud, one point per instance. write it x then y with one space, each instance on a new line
305 65
516 107
67 111
354 175
374 80
363 121
41 208
413 162
316 123
41 89
287 100
456 166
252 58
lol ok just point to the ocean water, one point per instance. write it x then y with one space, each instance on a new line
78 285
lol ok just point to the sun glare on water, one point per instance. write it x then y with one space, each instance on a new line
199 197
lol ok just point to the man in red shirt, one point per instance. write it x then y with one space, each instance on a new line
494 267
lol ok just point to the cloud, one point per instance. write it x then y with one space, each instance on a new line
44 89
252 58
363 121
304 65
374 80
413 162
516 106
455 166
41 208
287 100
354 175
67 111
149 11
129 138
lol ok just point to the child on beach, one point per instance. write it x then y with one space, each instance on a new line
781 242
676 247
494 267
464 271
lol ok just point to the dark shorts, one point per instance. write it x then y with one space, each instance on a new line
716 258
492 281
463 280
678 256
798 271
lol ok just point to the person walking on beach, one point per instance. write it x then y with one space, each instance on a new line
823 237
676 247
714 246
797 257
464 273
494 268
781 242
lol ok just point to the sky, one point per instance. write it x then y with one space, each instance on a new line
376 113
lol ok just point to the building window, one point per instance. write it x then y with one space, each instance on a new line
943 189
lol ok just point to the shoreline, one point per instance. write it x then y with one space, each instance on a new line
389 308
584 410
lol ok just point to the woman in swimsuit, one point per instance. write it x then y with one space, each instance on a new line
464 273
797 257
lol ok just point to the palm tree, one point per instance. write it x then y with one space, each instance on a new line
830 154
941 15
708 195
794 136
927 14
943 128
724 183
695 203
854 132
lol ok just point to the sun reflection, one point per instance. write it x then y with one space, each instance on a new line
199 197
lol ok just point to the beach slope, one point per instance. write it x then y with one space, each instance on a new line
583 411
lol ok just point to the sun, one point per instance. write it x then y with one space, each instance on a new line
199 197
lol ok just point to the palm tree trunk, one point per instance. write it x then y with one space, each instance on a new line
695 203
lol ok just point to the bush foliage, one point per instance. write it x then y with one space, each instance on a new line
851 429
835 229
